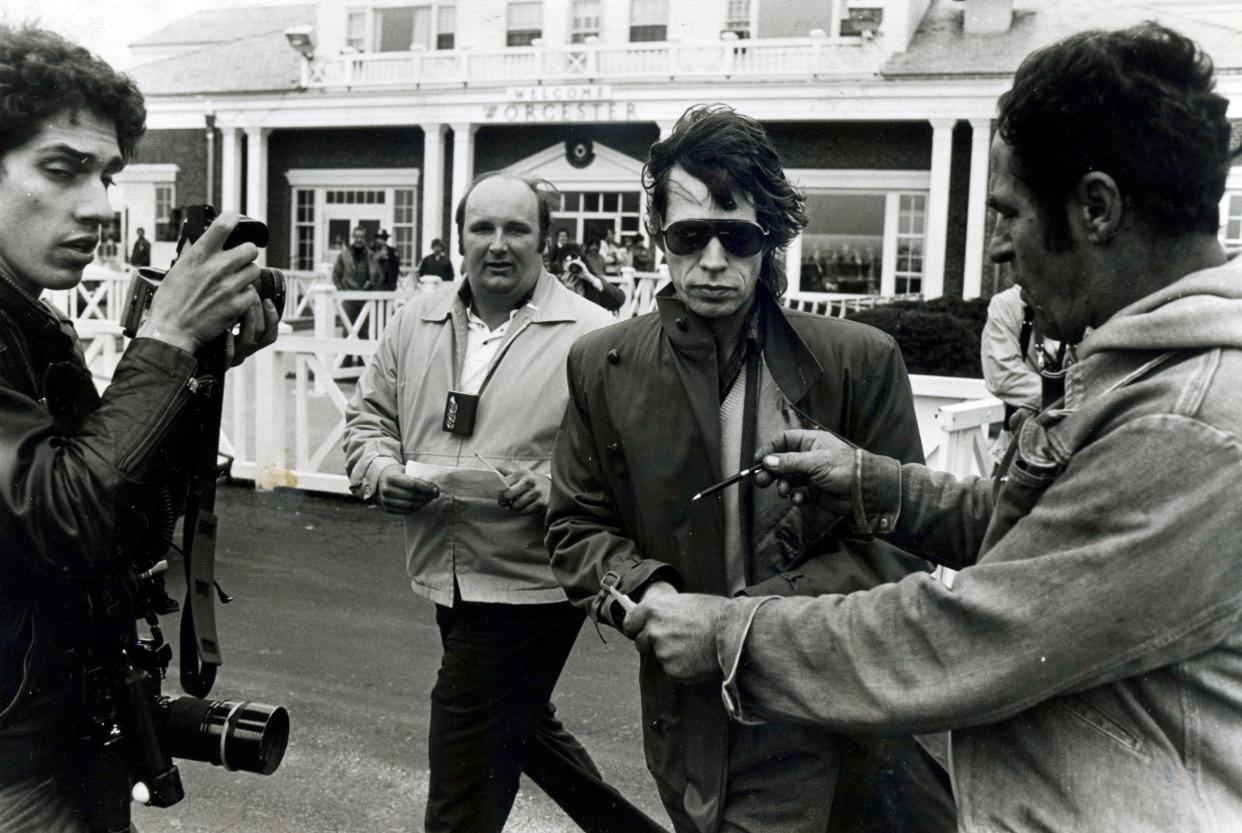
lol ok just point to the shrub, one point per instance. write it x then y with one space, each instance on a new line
932 341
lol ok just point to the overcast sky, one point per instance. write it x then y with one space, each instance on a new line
106 27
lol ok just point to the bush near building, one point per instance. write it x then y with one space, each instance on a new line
938 337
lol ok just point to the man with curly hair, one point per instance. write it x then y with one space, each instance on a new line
1088 658
665 405
78 473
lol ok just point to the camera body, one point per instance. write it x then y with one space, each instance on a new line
270 283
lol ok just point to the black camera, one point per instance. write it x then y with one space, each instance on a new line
196 218
133 732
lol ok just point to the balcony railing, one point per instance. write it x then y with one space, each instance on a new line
760 59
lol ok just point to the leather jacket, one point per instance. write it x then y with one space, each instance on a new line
76 479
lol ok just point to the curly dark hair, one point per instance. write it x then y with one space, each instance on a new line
726 150
42 74
1136 104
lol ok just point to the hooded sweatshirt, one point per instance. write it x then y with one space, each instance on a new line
1088 657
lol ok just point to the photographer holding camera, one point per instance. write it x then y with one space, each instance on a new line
79 472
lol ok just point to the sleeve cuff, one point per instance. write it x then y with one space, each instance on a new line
371 478
876 497
735 624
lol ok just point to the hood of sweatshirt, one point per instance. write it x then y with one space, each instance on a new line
1202 310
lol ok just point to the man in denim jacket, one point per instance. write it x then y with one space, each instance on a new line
1088 658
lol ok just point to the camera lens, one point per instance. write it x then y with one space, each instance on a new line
236 735
271 284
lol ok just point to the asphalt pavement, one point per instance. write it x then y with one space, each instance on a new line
324 624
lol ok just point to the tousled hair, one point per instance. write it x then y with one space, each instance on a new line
726 150
42 74
546 195
1136 104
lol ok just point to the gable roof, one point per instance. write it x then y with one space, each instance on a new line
257 60
940 47
227 24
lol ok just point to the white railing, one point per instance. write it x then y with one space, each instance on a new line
99 296
758 59
284 410
840 304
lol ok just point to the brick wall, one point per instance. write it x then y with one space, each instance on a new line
188 150
904 146
373 147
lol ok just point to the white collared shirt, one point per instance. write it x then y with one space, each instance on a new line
482 344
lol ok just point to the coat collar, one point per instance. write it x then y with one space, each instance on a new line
549 303
790 362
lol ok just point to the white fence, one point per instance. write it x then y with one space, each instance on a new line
285 407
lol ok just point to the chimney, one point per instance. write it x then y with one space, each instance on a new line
988 17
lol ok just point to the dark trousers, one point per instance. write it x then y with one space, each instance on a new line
492 719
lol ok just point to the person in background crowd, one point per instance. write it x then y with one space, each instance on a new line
609 250
640 252
1021 367
1088 657
356 269
388 263
141 255
663 405
593 259
593 287
437 263
478 368
561 250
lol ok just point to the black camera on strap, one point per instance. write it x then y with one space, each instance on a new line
133 730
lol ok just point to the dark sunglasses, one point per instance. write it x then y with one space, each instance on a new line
739 238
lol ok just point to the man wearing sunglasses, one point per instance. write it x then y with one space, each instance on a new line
667 404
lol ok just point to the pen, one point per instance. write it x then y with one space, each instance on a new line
741 475
487 463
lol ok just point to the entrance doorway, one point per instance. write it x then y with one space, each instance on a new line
340 220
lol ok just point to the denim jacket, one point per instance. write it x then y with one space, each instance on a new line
1088 658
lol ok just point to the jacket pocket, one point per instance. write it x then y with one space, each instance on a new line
1105 724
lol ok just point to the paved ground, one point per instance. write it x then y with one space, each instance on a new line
325 625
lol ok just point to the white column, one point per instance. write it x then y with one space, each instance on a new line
230 170
938 208
666 128
463 173
793 264
256 178
433 186
976 208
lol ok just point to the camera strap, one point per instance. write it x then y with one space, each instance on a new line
200 646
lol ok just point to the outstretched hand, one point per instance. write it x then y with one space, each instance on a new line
809 466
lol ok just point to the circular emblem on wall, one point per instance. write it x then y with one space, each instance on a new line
579 152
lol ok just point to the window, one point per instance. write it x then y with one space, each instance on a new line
403 225
356 30
737 18
165 228
525 23
588 215
585 22
911 229
446 27
337 197
858 19
401 28
1231 221
843 242
304 229
648 20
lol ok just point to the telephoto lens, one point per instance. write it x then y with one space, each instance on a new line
235 735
